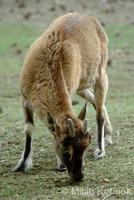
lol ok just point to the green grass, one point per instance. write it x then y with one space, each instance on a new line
122 34
43 182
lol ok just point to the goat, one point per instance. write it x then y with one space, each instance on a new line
69 57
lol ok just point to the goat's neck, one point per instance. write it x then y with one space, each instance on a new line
62 105
59 95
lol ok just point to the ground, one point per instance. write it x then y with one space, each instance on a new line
109 178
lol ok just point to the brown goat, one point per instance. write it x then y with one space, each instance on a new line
69 57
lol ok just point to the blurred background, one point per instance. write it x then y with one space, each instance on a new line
41 12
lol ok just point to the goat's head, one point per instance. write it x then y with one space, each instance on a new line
70 146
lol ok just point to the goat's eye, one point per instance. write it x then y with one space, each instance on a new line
66 142
67 156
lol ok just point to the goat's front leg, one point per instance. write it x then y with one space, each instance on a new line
26 159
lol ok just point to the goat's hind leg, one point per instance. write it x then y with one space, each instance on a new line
26 159
88 95
100 90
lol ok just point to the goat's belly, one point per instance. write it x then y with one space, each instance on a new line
85 83
89 74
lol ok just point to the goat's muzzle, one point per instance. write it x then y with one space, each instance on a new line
77 176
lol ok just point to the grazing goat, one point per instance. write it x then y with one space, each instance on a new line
69 57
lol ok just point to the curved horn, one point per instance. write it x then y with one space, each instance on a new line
84 127
71 128
82 113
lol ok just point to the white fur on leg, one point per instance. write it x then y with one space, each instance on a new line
28 128
89 95
23 164
28 162
86 94
100 153
108 140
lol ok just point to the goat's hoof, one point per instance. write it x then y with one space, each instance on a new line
19 168
99 154
61 168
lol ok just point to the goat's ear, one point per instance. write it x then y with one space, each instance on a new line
71 128
82 113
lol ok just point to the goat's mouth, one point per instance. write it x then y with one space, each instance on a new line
77 176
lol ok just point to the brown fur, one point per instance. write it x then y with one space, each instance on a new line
60 61
70 56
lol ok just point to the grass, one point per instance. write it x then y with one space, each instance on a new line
109 178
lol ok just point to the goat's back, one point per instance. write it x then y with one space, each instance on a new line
83 40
